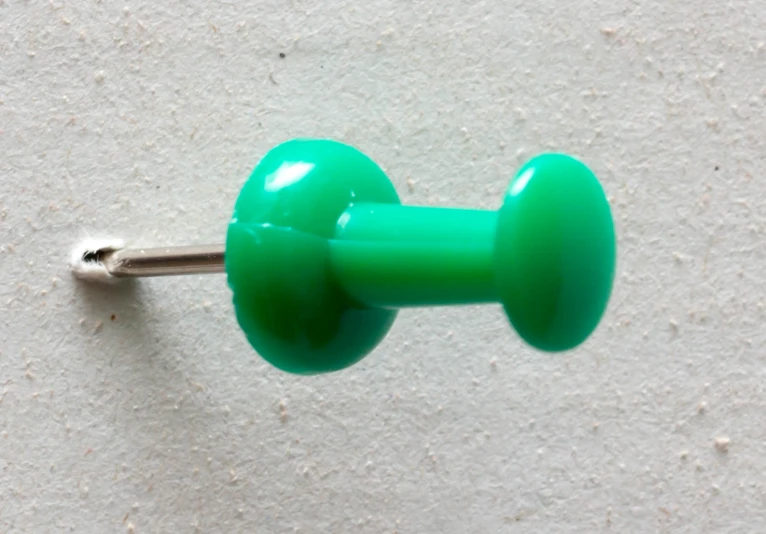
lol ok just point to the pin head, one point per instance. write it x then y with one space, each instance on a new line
292 310
320 254
554 252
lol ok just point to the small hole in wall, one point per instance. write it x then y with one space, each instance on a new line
92 256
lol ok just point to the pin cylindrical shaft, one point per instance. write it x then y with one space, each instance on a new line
164 261
392 256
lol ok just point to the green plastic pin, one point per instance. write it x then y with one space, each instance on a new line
320 254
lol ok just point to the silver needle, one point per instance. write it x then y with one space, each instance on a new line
164 261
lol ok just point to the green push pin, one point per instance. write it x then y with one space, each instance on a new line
320 254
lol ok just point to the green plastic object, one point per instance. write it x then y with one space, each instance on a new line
320 254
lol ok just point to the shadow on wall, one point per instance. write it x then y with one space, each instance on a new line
150 390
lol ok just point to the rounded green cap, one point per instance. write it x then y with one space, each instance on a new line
287 300
554 252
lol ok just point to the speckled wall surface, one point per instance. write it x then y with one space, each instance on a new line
141 408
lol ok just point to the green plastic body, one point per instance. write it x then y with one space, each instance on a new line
320 254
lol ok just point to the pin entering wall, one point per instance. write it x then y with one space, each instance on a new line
105 261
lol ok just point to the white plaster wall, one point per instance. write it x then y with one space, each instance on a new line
142 119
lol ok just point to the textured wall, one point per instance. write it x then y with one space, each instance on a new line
142 408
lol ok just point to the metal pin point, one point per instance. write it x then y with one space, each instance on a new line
162 261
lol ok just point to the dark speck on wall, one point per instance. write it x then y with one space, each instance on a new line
282 55
717 167
113 317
